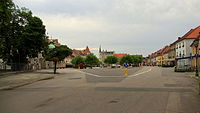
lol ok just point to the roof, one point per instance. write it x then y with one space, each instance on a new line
81 52
195 42
161 51
119 55
192 34
166 49
55 41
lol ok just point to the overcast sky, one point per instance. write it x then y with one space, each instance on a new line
125 26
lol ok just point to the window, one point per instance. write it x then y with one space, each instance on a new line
180 45
183 44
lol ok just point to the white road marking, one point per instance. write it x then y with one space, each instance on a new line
140 73
114 76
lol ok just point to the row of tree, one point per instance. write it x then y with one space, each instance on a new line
127 59
22 35
92 60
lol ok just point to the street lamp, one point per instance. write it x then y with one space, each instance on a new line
55 59
196 44
11 56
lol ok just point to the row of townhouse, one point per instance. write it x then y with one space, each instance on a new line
183 52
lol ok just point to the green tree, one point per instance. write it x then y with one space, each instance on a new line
6 9
58 54
21 34
77 60
137 60
127 59
91 60
111 60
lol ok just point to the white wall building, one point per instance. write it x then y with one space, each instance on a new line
184 52
183 49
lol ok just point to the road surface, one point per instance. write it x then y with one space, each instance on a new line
144 90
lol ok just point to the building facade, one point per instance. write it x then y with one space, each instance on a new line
183 48
165 56
82 53
172 54
104 53
195 53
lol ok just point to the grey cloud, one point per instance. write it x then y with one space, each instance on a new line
140 26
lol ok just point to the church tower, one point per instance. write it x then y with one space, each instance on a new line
100 49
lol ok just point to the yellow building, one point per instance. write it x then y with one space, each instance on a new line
159 60
195 53
165 56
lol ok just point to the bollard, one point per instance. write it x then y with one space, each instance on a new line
125 71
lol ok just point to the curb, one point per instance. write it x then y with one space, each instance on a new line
197 86
15 72
11 87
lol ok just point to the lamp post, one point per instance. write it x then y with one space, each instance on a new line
196 44
18 67
11 56
197 74
52 46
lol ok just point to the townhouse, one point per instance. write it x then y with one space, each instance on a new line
183 49
165 56
183 52
195 53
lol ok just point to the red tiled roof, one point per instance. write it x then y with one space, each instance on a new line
166 49
192 34
81 52
119 55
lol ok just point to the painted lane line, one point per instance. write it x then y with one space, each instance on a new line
140 73
114 76
88 73
100 76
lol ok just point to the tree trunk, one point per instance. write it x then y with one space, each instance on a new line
55 63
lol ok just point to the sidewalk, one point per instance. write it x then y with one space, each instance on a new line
14 80
197 85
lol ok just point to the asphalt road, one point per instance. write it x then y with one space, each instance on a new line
144 90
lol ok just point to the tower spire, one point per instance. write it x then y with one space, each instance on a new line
100 49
